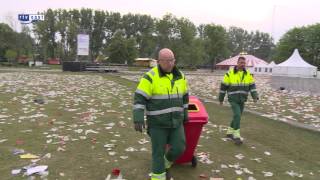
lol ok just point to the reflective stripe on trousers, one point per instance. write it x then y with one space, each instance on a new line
165 111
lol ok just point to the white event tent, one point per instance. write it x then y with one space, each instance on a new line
295 66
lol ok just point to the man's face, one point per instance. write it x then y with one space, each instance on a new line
166 64
241 64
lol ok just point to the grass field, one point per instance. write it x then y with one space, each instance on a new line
84 112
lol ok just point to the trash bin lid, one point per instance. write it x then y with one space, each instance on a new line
196 111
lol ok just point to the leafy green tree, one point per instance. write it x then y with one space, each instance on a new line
166 31
20 43
312 44
62 25
238 40
51 32
117 49
98 33
260 45
72 31
215 43
132 51
185 44
7 39
112 25
11 55
293 39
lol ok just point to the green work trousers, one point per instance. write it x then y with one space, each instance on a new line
160 139
237 109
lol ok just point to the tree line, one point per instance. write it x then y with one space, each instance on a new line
13 44
306 39
122 38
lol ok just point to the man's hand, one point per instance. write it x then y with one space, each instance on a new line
139 126
185 121
221 103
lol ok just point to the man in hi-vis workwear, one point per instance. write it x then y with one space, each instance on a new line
162 94
237 83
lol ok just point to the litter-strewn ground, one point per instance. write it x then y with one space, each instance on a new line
79 126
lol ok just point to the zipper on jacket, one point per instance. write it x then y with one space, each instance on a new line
170 106
179 97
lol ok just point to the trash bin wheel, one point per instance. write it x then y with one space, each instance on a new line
194 161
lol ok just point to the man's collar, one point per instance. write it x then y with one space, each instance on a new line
174 71
235 70
161 72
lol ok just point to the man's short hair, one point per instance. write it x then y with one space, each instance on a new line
241 58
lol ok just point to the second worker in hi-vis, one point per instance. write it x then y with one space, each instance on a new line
237 83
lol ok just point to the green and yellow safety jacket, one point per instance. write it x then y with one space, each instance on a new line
163 97
238 84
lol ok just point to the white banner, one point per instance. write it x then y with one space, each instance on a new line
83 44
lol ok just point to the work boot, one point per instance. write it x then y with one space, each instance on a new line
168 174
237 141
236 137
161 176
230 132
230 136
167 163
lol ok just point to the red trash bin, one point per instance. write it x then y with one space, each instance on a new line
198 117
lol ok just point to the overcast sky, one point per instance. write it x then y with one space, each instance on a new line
271 16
